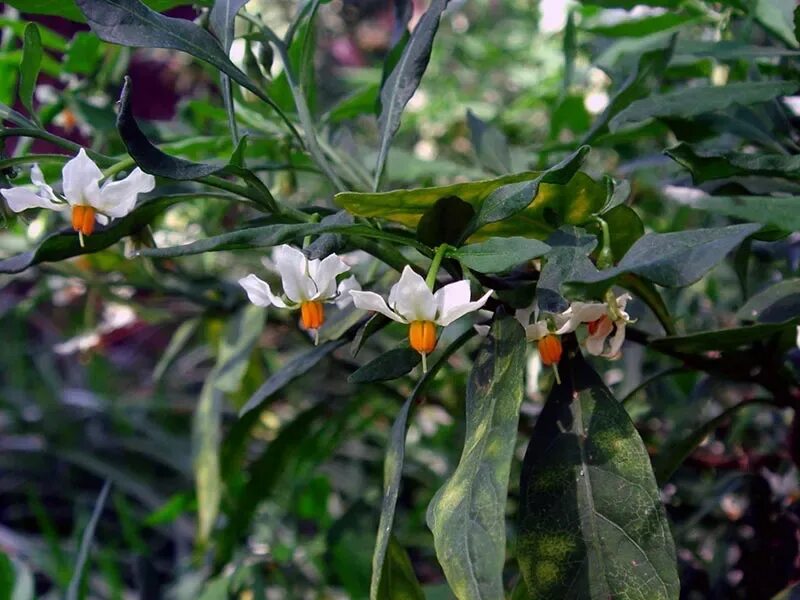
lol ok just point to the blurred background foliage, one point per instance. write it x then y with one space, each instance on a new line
103 359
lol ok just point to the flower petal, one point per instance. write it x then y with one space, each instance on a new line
482 330
536 331
19 199
293 267
343 297
595 342
77 176
324 275
615 345
453 302
581 312
117 198
37 179
373 301
412 298
259 292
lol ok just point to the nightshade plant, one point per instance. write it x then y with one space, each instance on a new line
576 244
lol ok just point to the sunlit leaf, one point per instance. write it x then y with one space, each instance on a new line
591 520
467 514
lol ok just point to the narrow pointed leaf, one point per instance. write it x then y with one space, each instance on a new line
707 166
29 67
775 304
490 145
404 80
591 520
390 365
692 101
467 514
398 581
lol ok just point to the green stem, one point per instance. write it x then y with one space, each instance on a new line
605 258
125 163
435 264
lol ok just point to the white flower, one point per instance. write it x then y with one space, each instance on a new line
602 319
82 192
344 299
307 284
411 301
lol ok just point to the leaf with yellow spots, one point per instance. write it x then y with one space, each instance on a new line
467 515
591 521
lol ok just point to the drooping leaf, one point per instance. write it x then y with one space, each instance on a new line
236 345
398 581
131 23
67 9
467 514
775 304
65 244
445 222
496 255
689 102
669 259
390 365
776 17
404 80
707 166
591 521
288 373
147 156
572 203
490 145
568 259
29 67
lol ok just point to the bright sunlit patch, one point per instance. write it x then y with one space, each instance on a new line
596 102
553 15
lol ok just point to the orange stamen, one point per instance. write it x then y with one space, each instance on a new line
87 226
77 217
422 336
550 349
595 325
312 314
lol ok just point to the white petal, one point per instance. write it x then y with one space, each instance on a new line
293 267
77 176
616 342
523 315
453 302
259 293
412 298
581 312
343 297
102 219
324 273
19 199
482 330
117 198
37 179
536 331
373 301
596 342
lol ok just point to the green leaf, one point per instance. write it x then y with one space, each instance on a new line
572 203
689 102
669 259
8 113
29 67
177 343
511 199
722 339
398 581
389 365
291 371
73 591
131 23
624 226
7 577
776 304
568 259
147 156
490 145
591 523
445 222
642 26
629 4
83 54
68 10
221 21
776 17
240 337
780 212
496 255
467 514
404 80
729 50
707 166
65 243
